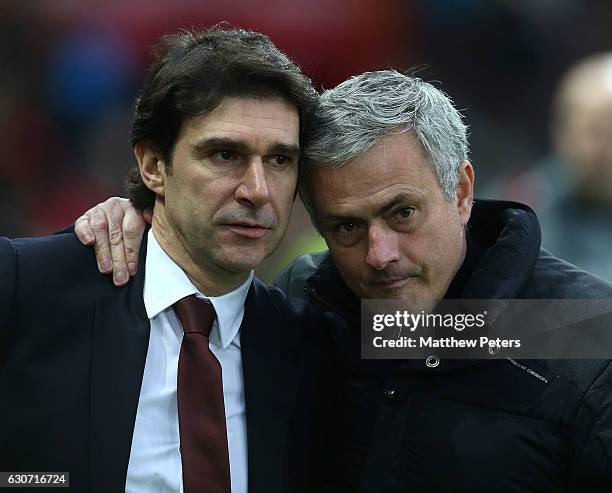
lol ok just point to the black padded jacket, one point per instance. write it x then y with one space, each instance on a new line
495 425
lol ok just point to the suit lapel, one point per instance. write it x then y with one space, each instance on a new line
271 380
120 344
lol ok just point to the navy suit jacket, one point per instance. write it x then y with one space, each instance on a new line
72 354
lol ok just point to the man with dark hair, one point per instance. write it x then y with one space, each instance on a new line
389 186
187 380
192 76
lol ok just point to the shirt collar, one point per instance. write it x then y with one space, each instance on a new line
166 283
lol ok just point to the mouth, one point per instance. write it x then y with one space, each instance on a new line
391 282
248 230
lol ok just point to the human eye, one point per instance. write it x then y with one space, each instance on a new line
345 228
404 213
281 160
347 233
224 156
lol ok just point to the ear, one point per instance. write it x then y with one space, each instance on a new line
465 191
152 167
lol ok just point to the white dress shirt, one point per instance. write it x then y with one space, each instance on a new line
155 457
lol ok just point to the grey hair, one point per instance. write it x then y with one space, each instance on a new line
352 117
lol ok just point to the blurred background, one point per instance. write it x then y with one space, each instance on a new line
70 71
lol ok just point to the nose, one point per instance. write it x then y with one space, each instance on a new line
253 188
383 247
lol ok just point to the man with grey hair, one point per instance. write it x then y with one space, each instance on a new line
372 139
389 186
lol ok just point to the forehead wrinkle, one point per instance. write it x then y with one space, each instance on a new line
368 188
257 123
246 128
258 112
370 203
249 117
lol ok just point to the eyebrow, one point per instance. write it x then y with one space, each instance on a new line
398 199
393 202
208 144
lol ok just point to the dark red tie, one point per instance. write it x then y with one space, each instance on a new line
204 453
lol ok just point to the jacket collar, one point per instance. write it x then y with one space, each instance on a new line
510 235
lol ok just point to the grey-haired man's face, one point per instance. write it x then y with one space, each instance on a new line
390 230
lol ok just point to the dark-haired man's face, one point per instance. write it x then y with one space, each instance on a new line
226 201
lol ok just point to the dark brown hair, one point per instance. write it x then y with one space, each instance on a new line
193 72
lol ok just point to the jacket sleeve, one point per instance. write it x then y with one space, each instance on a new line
8 279
591 464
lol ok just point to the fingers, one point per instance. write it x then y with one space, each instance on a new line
83 230
99 227
115 213
106 220
133 228
115 229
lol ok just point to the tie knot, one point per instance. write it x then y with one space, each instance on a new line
196 315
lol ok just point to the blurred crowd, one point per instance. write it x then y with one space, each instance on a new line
534 80
571 187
